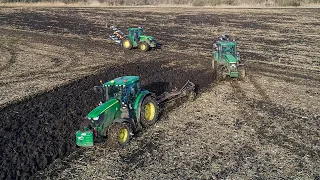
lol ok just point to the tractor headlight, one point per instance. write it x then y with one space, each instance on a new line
81 138
233 67
95 118
124 105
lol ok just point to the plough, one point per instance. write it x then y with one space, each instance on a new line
187 90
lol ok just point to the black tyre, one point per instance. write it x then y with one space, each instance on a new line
214 67
144 46
242 73
192 96
214 64
221 73
119 134
127 44
149 112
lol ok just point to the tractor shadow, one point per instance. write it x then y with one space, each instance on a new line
277 116
158 87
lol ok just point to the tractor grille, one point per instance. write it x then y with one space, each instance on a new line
233 67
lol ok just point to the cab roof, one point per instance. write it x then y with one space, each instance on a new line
122 81
227 43
138 28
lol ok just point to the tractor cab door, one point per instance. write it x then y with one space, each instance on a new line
228 49
134 34
134 91
130 32
140 32
219 53
225 49
130 93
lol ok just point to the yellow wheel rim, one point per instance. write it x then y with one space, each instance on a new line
150 111
123 135
143 47
126 44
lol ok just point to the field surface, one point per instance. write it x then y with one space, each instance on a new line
266 127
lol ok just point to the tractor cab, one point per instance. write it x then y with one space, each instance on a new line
124 89
227 47
226 50
135 32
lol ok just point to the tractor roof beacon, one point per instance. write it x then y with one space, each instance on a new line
124 109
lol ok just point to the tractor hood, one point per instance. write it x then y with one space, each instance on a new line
231 58
148 37
150 40
96 112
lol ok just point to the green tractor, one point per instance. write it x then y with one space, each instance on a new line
136 38
124 109
226 60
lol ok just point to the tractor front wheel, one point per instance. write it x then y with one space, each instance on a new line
144 46
119 134
149 112
127 44
241 73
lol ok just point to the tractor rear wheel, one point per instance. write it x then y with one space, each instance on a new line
144 46
149 112
214 67
127 44
192 96
119 134
214 64
221 73
241 73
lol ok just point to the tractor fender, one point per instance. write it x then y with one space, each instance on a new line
127 37
137 105
130 37
134 43
148 41
145 40
126 120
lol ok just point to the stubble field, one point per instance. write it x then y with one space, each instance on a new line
266 127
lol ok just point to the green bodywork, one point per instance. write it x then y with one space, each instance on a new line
228 56
138 103
112 104
140 37
84 138
118 94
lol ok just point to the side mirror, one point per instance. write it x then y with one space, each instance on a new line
132 90
97 89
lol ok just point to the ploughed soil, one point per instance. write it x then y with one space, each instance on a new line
264 127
